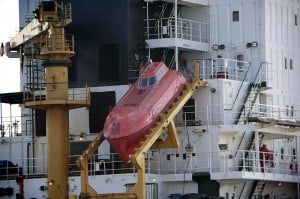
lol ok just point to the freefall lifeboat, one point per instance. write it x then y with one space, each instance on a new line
131 119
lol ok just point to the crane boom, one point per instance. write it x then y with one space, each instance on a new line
49 15
31 30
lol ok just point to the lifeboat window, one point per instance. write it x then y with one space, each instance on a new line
143 82
160 74
152 80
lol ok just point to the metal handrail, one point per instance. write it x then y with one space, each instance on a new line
157 163
72 93
186 29
240 88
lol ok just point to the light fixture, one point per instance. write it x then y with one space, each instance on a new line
218 46
82 136
2 50
215 47
254 44
50 182
221 46
152 179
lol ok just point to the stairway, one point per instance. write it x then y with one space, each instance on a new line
33 72
258 189
250 99
246 190
245 158
252 189
251 96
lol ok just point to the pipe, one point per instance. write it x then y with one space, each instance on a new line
28 145
32 140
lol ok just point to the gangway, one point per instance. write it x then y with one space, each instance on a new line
138 191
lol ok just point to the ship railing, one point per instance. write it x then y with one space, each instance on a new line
64 93
186 29
224 161
214 114
102 164
56 43
187 161
28 167
255 161
264 111
134 69
10 126
222 68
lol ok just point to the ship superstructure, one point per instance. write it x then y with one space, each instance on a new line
238 135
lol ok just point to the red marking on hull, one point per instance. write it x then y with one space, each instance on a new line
130 120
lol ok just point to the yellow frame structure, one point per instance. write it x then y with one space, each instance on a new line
138 191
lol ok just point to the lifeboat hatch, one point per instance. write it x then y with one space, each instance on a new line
140 91
116 127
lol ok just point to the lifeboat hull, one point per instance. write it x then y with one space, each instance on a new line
129 122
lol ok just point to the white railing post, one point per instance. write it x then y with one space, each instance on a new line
244 160
181 28
209 162
225 169
236 160
159 165
207 116
158 29
149 170
175 10
147 20
175 166
236 71
191 31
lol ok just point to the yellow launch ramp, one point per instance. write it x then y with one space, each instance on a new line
138 191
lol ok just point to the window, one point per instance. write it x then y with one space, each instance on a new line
235 16
291 64
285 63
152 80
40 127
240 59
281 153
294 153
143 81
188 111
99 111
160 73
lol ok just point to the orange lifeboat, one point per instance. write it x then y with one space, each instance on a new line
131 119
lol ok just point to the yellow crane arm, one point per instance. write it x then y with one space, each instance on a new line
49 14
30 31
